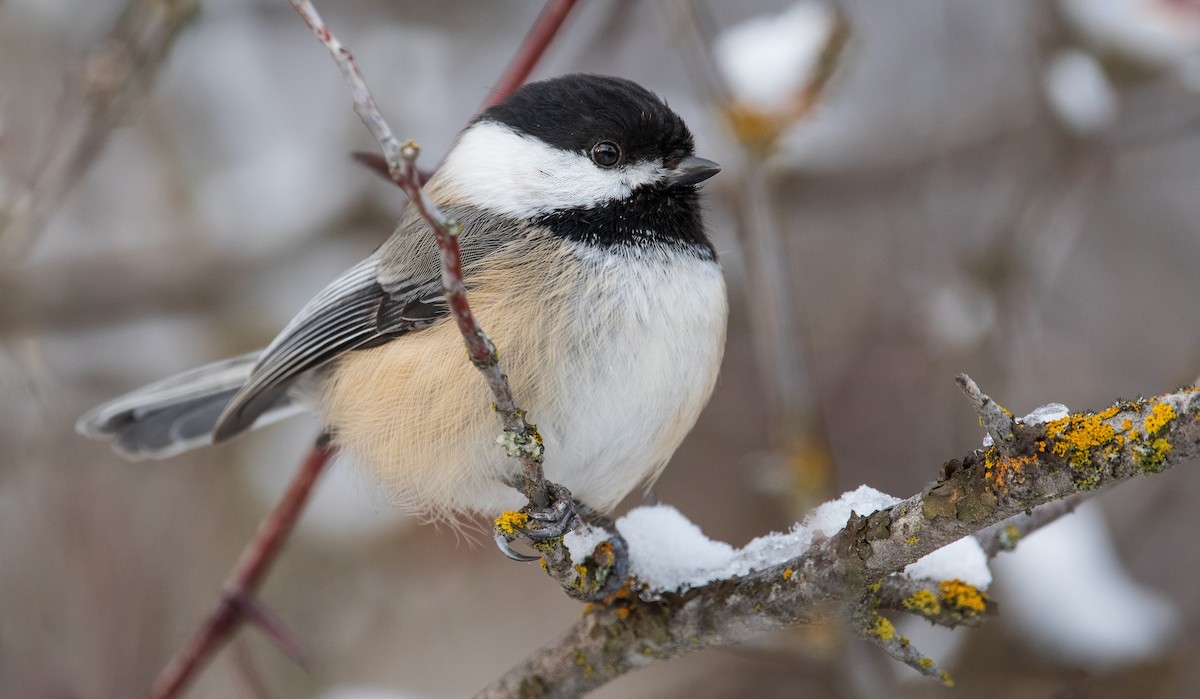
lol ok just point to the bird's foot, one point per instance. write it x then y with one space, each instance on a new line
537 527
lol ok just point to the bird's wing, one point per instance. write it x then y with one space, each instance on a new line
395 291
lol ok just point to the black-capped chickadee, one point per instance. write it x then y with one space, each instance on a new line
585 259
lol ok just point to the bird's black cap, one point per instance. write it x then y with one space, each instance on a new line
574 112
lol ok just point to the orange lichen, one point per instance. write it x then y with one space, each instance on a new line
1002 470
787 574
962 596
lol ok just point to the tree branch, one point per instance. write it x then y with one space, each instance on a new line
1080 453
522 437
115 72
237 599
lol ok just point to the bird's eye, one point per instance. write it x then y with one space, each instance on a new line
606 154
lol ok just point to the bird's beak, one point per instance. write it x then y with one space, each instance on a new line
692 170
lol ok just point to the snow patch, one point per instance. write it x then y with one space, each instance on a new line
1039 416
1079 92
582 541
962 560
767 60
668 552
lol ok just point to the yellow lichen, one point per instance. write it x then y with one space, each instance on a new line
947 679
882 628
1076 436
509 522
912 540
1160 415
925 663
962 596
923 602
787 574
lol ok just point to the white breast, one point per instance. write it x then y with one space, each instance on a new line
611 351
656 333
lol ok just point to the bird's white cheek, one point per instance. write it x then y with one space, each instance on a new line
492 167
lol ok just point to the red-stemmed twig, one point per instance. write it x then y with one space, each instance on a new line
521 437
237 598
237 604
543 31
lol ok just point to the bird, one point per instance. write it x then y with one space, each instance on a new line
586 260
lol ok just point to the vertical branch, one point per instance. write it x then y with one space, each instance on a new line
544 29
521 437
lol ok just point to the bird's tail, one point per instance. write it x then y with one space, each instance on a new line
177 413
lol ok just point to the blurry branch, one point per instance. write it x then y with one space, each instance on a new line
114 74
238 601
1005 536
797 429
854 570
545 28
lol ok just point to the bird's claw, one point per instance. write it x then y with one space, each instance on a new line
553 521
511 553
537 526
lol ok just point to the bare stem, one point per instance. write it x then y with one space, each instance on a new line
401 160
238 592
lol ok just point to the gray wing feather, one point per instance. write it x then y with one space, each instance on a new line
392 292
178 413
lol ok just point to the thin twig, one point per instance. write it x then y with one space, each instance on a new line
1005 536
541 34
245 580
524 440
998 422
115 72
543 31
237 603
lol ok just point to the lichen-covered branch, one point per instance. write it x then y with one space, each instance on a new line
1080 453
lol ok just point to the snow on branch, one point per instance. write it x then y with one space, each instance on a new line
858 569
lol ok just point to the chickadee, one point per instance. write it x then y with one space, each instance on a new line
585 259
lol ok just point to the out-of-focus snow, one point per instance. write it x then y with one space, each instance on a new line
962 560
768 59
1038 416
669 552
1067 592
960 313
1157 32
1079 92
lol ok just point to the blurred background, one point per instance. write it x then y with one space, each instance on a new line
911 190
